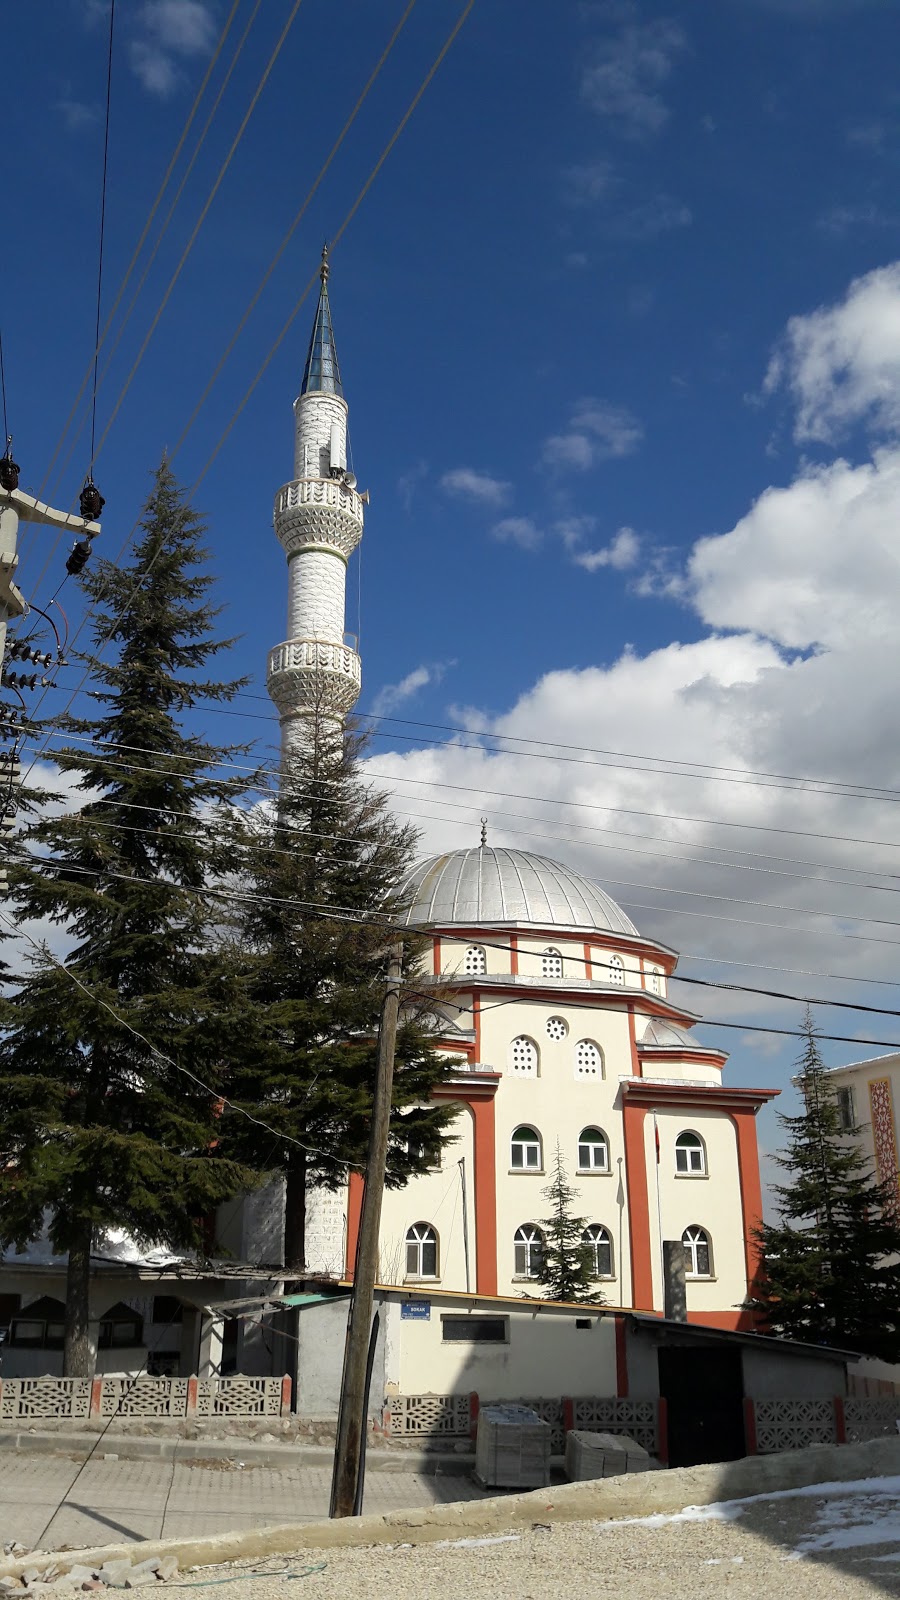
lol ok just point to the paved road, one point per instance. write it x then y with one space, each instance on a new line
113 1500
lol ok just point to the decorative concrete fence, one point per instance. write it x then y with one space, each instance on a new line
445 1416
30 1399
795 1424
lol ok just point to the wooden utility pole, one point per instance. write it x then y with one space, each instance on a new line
352 1420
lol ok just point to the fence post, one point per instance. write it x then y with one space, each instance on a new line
285 1396
95 1405
190 1405
568 1406
840 1420
662 1431
750 1441
474 1407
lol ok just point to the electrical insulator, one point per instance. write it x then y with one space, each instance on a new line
91 502
9 469
79 553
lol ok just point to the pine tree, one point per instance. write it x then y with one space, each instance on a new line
566 1266
99 1130
320 871
830 1274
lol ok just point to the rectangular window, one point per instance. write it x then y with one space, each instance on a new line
29 1335
475 1330
845 1109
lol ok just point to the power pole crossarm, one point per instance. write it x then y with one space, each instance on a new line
352 1420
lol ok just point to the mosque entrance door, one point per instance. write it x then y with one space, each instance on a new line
704 1391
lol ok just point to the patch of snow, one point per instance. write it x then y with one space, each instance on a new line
726 1510
867 1519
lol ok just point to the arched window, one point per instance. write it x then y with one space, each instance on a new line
551 964
690 1155
655 977
593 1151
525 1153
697 1252
588 1059
475 963
599 1244
529 1251
421 1251
616 970
557 1027
523 1057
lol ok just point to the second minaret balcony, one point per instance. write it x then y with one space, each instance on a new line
314 512
306 673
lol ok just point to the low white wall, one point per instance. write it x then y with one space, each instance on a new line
546 1356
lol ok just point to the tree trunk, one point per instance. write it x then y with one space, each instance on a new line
295 1213
79 1358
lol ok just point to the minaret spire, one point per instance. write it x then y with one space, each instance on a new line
319 523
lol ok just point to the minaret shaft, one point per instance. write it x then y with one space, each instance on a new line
319 523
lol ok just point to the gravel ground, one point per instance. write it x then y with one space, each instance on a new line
772 1547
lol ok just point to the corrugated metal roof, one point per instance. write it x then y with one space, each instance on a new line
497 886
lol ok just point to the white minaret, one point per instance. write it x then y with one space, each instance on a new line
319 522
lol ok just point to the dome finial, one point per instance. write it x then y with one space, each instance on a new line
325 267
484 822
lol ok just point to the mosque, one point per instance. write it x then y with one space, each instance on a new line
561 1035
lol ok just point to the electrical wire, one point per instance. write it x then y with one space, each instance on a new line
216 1094
362 193
140 244
293 227
153 253
350 915
3 387
112 19
201 219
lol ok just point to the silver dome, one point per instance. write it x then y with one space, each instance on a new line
494 887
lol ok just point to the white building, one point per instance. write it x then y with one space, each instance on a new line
561 1029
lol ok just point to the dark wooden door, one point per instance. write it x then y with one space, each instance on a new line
704 1392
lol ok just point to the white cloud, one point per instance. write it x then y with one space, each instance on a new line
393 695
793 674
597 431
626 72
662 213
408 483
585 185
522 531
621 553
468 483
76 114
169 32
841 363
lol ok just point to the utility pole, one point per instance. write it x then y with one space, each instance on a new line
352 1418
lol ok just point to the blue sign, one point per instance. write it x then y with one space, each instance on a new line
415 1311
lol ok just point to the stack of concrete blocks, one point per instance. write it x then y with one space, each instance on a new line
604 1455
512 1449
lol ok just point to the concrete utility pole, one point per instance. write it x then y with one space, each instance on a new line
16 506
352 1420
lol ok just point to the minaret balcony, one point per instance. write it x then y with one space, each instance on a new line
307 673
321 512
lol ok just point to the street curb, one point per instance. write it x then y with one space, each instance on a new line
425 1463
637 1495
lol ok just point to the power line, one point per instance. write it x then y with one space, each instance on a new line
362 193
3 387
140 244
112 19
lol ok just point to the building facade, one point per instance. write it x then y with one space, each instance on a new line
555 1010
868 1093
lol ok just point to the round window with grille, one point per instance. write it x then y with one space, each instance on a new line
557 1027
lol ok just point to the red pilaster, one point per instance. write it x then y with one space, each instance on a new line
637 1070
95 1408
285 1396
751 1188
639 1206
514 954
484 1138
436 955
190 1409
840 1420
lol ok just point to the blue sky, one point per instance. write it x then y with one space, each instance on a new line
604 354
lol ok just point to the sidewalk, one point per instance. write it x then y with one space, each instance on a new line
112 1500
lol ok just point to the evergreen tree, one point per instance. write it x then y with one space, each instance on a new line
831 1274
566 1264
99 1130
312 942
